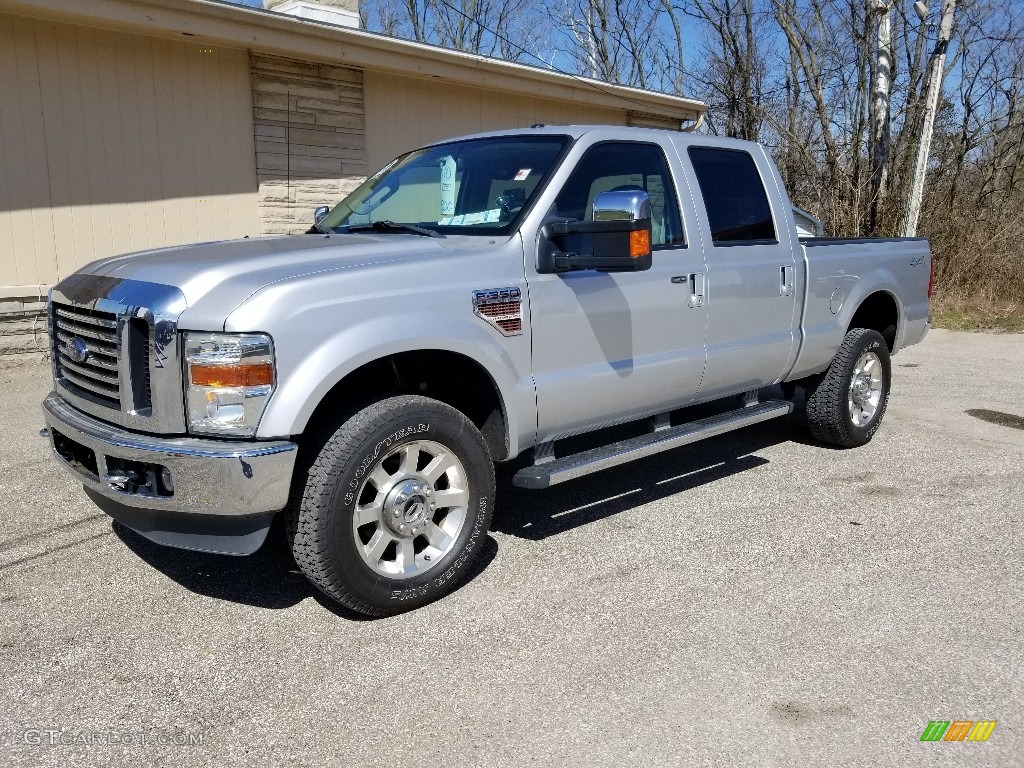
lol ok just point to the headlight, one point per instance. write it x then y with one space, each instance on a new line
229 378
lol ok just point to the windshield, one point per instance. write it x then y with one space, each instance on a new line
478 186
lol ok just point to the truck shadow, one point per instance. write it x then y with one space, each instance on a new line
268 578
537 515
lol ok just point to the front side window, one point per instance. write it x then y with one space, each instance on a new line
734 196
619 165
479 186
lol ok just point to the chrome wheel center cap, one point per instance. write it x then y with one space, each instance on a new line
408 507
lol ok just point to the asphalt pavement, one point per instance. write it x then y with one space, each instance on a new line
756 599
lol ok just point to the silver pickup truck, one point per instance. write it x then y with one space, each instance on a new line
476 301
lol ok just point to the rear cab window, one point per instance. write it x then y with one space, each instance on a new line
734 196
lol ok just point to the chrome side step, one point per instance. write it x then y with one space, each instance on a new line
553 472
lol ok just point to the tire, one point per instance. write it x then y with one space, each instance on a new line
396 506
845 405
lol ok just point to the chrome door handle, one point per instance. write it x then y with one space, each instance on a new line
696 280
786 288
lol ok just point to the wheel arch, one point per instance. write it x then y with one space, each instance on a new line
878 311
450 377
314 394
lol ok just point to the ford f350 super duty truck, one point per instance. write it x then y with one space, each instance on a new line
477 300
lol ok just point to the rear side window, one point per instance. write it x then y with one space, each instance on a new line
734 196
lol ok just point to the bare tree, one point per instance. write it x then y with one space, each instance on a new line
974 206
502 28
410 19
617 41
815 81
880 103
734 70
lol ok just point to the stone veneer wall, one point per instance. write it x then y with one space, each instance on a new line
23 330
310 144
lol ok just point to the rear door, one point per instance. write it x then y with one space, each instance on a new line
752 280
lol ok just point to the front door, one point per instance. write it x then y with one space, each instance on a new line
609 347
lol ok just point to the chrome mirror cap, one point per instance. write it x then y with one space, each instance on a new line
622 205
319 213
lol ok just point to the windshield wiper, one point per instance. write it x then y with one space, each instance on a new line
393 226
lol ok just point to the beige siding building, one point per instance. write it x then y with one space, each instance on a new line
134 124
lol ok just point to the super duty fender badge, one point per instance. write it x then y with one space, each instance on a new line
502 308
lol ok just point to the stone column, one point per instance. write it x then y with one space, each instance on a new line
310 144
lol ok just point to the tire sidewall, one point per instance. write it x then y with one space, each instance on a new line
871 341
424 421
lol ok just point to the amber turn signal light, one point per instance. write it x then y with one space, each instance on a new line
639 243
253 375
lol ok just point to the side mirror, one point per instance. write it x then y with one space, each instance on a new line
319 213
622 205
617 240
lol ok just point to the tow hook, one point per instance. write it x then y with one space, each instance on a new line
122 481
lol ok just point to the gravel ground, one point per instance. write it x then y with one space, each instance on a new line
752 600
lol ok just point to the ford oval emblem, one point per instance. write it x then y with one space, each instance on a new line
77 350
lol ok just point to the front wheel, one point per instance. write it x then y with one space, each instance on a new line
846 404
396 506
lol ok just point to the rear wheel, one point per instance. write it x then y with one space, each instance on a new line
846 404
396 506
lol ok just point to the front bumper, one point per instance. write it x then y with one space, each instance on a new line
217 486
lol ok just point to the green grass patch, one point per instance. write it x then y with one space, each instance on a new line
963 316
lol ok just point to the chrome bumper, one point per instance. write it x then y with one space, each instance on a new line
209 477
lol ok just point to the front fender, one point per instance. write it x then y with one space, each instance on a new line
305 378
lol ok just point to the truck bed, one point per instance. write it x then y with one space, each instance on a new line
840 272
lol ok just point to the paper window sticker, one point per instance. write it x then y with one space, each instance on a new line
447 185
523 173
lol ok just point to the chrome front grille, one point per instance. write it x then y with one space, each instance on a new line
86 353
115 351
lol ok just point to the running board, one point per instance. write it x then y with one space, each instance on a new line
557 471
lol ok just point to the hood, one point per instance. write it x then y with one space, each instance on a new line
221 275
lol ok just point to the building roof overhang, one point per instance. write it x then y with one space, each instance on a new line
225 24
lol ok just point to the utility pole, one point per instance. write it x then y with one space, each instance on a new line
880 100
934 86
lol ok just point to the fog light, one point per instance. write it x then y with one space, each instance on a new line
167 481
